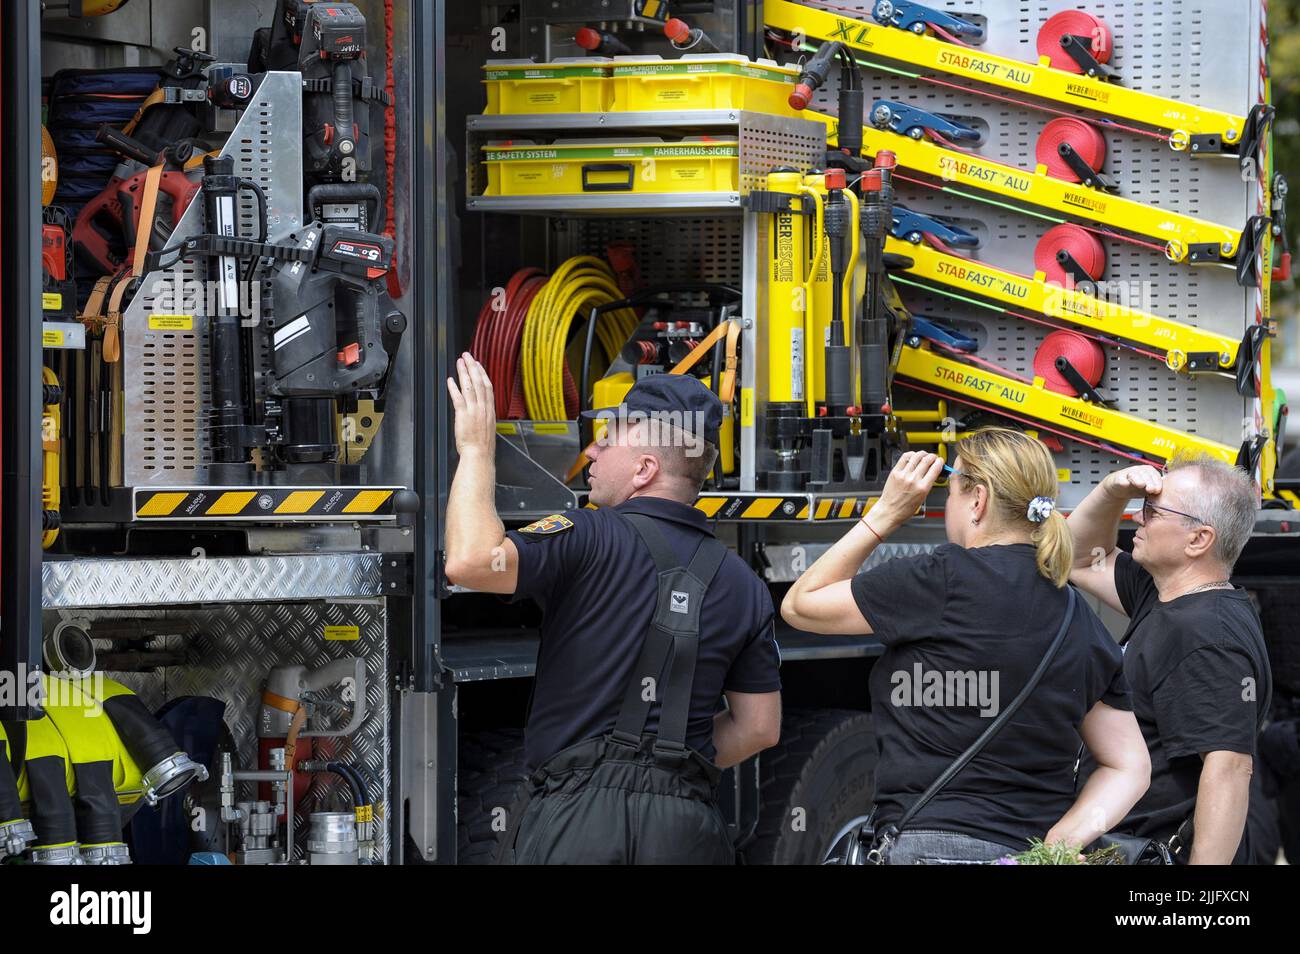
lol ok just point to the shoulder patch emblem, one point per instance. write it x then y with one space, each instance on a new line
555 523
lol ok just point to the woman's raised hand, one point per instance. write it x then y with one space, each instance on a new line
908 485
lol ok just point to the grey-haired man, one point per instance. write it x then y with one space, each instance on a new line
1194 653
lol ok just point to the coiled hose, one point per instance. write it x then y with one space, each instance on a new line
497 337
578 285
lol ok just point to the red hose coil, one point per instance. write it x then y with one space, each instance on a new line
1079 242
1086 139
497 335
1078 23
496 345
1085 354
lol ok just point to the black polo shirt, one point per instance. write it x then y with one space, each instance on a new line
963 630
1198 670
596 583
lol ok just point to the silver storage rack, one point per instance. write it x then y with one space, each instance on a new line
657 221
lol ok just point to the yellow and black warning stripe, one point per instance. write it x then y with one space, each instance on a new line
788 507
268 504
1291 497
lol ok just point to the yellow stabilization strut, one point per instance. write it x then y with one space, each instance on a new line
1176 339
1061 412
1185 238
1181 120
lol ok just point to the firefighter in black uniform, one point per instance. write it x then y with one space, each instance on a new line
650 622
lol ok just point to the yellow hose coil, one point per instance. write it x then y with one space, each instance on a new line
578 285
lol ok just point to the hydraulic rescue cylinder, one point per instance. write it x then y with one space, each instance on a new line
788 308
230 457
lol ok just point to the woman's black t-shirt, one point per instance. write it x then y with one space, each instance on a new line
964 629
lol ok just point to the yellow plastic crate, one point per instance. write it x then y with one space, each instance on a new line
577 84
702 81
590 166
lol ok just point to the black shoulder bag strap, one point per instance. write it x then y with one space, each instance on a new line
671 640
879 853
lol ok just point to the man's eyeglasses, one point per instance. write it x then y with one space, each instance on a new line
1149 510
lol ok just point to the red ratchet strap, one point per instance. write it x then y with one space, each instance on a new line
1083 246
1082 352
1086 139
1074 23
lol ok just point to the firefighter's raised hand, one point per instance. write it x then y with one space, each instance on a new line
476 419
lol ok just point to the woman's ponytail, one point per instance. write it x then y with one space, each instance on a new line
1022 484
1055 548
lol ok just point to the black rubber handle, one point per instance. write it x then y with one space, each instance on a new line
589 186
127 146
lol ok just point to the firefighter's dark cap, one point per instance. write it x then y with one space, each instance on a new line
676 399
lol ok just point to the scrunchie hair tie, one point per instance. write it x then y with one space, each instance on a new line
1040 508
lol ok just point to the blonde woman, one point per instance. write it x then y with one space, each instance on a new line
964 626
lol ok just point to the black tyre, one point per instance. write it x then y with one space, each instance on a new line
491 772
813 785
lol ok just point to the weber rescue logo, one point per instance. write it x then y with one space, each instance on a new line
77 908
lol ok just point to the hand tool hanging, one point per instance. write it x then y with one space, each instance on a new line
109 226
847 373
337 94
326 43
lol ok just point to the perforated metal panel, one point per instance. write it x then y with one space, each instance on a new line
1195 50
667 250
165 373
767 142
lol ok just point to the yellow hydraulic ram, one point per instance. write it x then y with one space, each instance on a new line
1191 128
1185 347
1035 404
1186 239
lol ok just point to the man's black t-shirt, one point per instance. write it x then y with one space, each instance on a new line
1198 671
597 584
966 617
